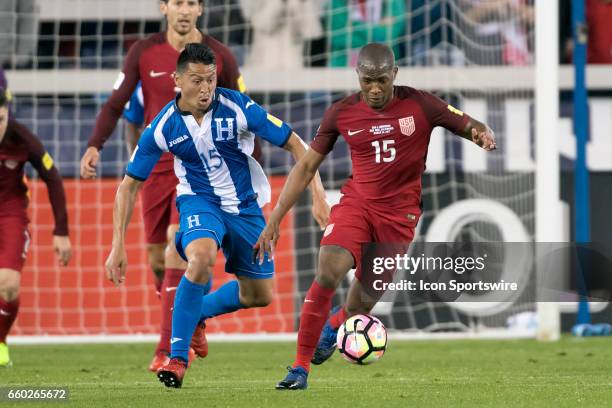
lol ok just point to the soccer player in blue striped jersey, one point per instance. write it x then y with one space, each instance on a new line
221 190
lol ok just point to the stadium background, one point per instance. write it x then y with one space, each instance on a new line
79 47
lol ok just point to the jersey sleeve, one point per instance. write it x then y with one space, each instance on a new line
328 132
441 113
264 124
134 110
122 90
42 161
146 155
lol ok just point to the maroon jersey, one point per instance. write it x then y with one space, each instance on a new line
599 15
153 61
388 147
19 146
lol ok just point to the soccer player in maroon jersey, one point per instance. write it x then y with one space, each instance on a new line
153 61
387 129
17 147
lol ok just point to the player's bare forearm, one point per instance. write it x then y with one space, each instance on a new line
297 147
299 178
125 199
481 134
320 207
116 262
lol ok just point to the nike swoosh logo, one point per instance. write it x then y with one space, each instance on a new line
355 132
175 339
154 74
170 289
308 301
249 103
4 313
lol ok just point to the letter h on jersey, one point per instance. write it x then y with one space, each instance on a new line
194 221
221 129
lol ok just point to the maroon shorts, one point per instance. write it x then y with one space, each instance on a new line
353 223
158 199
14 241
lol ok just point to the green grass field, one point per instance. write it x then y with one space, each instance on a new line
411 374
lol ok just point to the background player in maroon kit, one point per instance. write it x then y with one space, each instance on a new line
153 61
388 129
18 146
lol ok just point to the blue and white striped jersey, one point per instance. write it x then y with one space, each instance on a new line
213 160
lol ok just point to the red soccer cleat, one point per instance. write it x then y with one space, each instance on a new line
198 342
159 360
172 373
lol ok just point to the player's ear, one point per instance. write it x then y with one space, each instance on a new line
163 7
177 79
200 8
395 69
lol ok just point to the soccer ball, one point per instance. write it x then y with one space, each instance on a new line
362 339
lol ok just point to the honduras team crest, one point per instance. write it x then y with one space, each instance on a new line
407 126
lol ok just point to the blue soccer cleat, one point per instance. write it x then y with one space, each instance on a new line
297 379
327 342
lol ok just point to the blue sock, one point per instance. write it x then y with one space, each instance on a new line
187 304
226 299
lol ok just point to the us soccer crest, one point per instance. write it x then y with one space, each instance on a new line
407 126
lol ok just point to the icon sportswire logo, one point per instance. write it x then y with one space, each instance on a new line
354 132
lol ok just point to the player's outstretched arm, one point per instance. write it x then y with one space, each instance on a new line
111 111
300 176
320 208
125 199
480 134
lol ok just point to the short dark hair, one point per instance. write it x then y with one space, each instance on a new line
196 53
3 97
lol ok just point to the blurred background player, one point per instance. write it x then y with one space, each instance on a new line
4 86
220 194
152 62
17 147
388 129
134 121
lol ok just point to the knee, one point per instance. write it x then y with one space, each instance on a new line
332 268
352 310
156 259
327 279
257 300
172 259
171 234
9 285
200 264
